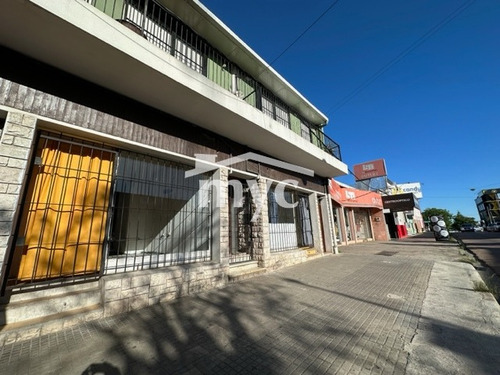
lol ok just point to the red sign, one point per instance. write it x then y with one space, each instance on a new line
370 169
350 197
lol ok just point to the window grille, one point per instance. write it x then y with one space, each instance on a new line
282 115
90 210
289 227
160 217
305 131
304 221
267 107
240 226
63 222
159 26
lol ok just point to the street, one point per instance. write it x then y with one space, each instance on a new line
484 245
396 307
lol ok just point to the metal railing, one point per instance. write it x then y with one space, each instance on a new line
163 29
327 144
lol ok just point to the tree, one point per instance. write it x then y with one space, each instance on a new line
445 214
459 220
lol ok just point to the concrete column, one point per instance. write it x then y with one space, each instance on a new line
15 152
315 222
328 226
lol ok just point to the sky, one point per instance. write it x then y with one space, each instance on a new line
416 83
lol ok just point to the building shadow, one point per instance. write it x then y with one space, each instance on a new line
101 369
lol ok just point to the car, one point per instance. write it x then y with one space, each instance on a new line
478 228
493 227
467 228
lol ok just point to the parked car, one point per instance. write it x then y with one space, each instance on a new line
493 227
478 228
467 228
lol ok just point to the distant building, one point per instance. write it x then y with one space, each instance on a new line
400 201
402 215
488 205
358 214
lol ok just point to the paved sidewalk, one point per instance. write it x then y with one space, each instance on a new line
377 308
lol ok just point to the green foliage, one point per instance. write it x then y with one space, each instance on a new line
445 214
459 220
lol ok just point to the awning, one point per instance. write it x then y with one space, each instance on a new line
351 197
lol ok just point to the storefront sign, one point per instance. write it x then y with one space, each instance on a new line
370 169
351 197
413 187
400 202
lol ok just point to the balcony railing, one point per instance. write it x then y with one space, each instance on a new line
160 27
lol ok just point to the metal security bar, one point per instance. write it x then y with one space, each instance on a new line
240 225
160 217
63 222
289 227
160 27
303 214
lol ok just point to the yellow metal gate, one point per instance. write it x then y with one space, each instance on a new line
63 223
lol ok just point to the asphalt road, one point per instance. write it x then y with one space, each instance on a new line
484 245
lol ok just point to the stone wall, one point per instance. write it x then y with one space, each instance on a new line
15 151
260 224
134 290
286 259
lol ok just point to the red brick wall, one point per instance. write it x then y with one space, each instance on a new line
378 224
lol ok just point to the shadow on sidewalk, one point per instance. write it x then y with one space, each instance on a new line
458 342
213 333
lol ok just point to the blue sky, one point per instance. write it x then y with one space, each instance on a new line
433 114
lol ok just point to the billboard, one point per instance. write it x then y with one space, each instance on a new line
410 187
370 169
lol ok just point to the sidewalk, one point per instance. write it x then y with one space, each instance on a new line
377 308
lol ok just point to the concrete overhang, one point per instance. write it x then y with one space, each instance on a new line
77 38
205 23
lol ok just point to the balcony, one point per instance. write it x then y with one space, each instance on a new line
83 37
160 27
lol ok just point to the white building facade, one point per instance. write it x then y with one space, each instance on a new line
147 153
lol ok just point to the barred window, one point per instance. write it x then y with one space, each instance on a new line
305 131
267 107
282 115
160 217
282 225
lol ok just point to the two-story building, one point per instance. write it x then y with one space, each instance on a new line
146 153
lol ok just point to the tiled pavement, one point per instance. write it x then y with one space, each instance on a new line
352 313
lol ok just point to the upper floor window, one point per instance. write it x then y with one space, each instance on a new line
267 107
276 111
305 131
163 29
282 115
